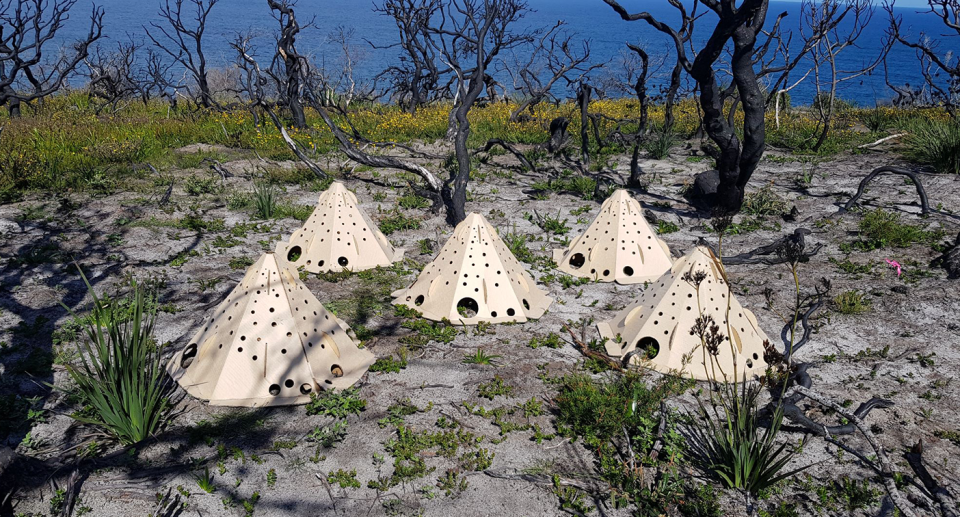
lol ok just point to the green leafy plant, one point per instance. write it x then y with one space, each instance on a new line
660 145
665 227
205 481
880 229
851 302
763 201
551 340
480 357
265 196
337 404
390 364
344 479
330 435
935 143
398 221
494 388
120 375
727 440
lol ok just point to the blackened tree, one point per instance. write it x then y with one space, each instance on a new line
554 56
26 27
289 66
181 38
739 25
940 68
416 79
467 35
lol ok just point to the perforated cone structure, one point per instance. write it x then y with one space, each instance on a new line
660 323
476 272
618 246
338 236
270 343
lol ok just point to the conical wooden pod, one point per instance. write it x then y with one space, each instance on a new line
338 236
270 343
474 279
660 326
618 246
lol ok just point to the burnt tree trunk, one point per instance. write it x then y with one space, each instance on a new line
640 89
292 61
583 100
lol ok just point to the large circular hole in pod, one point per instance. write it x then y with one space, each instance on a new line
293 254
650 347
274 389
419 301
288 383
305 389
336 370
526 304
627 270
188 356
343 261
577 260
467 307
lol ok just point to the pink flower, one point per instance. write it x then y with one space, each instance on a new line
896 265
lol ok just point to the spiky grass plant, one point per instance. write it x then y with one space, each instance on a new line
265 199
660 145
120 374
481 357
936 143
728 441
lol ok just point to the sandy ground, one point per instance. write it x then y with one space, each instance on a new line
917 319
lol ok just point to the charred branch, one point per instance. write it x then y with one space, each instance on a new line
26 28
912 176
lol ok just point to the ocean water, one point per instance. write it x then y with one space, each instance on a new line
589 19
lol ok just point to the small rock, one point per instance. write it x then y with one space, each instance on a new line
900 289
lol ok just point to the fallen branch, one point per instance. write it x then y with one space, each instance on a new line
769 254
513 150
882 140
924 205
317 171
218 167
348 148
937 492
950 260
585 350
539 479
886 468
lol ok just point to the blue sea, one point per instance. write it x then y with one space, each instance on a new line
589 19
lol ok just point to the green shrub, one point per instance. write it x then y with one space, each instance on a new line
337 404
763 201
120 374
265 199
659 146
728 441
880 229
397 221
934 143
851 302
